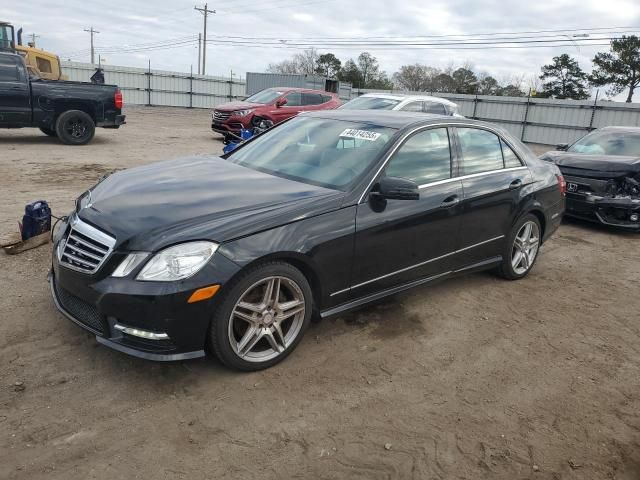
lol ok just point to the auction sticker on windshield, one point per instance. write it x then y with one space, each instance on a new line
360 134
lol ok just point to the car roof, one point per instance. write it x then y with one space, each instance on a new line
389 118
401 97
298 89
615 128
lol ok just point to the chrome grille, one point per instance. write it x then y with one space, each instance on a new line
85 248
219 116
585 185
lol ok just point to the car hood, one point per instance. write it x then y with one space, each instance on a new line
149 207
232 106
593 166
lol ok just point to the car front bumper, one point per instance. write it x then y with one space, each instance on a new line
611 211
150 320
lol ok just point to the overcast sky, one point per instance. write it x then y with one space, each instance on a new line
120 23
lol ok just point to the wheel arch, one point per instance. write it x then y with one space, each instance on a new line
82 107
298 260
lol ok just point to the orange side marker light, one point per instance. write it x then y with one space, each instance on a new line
203 294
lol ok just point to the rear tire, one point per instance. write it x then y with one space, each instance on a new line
48 131
262 317
75 127
521 249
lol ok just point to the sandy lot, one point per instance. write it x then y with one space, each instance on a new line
473 378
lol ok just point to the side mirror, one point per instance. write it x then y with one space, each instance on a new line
562 146
281 102
396 188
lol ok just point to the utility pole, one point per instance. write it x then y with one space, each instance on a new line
33 39
199 49
92 31
204 11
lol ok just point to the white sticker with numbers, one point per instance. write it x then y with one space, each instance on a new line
360 134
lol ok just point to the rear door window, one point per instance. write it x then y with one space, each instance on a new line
311 99
294 99
425 157
511 160
481 151
412 107
435 107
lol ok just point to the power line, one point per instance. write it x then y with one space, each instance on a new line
477 42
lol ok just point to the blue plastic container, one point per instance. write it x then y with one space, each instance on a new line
245 134
36 219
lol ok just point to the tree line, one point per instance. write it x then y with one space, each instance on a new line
618 69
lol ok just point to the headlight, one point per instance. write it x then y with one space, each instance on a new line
178 262
129 264
242 113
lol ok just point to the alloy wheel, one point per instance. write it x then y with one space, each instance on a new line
525 247
76 127
266 319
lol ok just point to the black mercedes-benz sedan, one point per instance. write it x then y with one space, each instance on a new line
326 212
602 171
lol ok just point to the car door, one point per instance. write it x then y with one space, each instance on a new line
15 97
491 192
403 240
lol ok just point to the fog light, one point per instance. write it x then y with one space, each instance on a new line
634 217
136 332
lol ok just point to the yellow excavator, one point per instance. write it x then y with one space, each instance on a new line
43 64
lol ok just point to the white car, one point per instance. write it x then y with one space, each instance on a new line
407 103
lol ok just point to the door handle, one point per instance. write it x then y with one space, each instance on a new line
449 202
517 183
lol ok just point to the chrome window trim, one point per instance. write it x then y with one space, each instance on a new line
402 270
436 125
471 175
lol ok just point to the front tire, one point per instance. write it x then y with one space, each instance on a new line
48 131
75 127
262 317
522 248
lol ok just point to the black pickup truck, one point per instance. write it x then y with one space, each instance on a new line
70 111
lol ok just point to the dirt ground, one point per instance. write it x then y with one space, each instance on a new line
473 378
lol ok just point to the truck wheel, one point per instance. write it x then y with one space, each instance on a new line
75 127
48 131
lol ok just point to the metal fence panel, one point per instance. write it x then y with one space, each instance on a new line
160 87
539 120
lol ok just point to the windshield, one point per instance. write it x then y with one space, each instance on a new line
265 96
323 152
371 103
609 143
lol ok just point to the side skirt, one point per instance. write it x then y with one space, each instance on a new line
484 265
